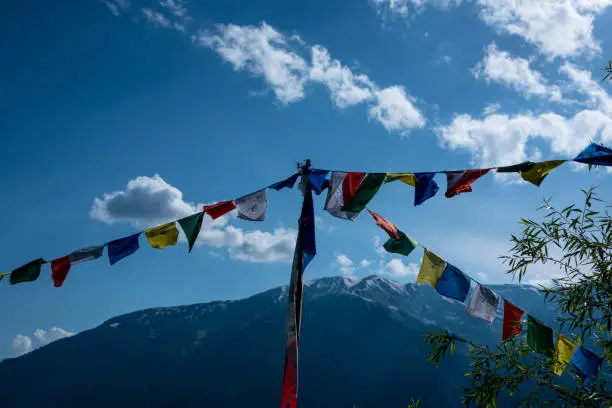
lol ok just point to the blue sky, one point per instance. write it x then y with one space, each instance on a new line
119 115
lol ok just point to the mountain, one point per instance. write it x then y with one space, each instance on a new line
361 344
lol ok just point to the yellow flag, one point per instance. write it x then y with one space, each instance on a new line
432 268
407 178
538 173
3 274
563 353
162 236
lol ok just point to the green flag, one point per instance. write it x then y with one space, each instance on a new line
403 246
540 337
28 272
191 227
366 191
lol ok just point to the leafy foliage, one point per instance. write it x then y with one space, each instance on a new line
579 241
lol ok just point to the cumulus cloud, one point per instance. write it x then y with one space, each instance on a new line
344 264
264 52
397 268
499 66
365 263
149 201
23 344
582 82
556 28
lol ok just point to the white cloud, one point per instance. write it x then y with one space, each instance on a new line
483 276
447 59
582 82
159 20
346 89
262 51
365 263
501 139
24 344
117 6
145 201
499 66
344 264
559 28
397 268
177 8
395 110
149 201
401 8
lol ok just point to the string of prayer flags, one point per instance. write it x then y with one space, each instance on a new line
564 350
59 270
432 268
539 171
483 304
28 272
342 187
318 180
215 211
407 178
289 182
162 236
460 181
453 283
586 363
2 275
595 154
516 168
365 192
191 226
122 247
540 337
86 254
512 321
426 187
252 207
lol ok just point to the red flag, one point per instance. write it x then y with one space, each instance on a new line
290 376
217 210
60 268
349 186
386 225
512 320
462 184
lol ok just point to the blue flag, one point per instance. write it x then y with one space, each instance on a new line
587 363
318 180
286 183
426 187
120 248
453 283
595 154
307 225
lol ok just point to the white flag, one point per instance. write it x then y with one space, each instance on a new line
252 207
483 303
334 201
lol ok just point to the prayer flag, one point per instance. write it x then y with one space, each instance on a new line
483 304
289 182
407 178
516 168
252 207
28 272
122 247
191 227
350 184
86 254
453 283
586 363
385 225
432 268
512 320
2 275
461 181
404 245
563 353
335 195
539 171
59 270
318 179
595 154
539 337
365 192
162 236
426 187
215 211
